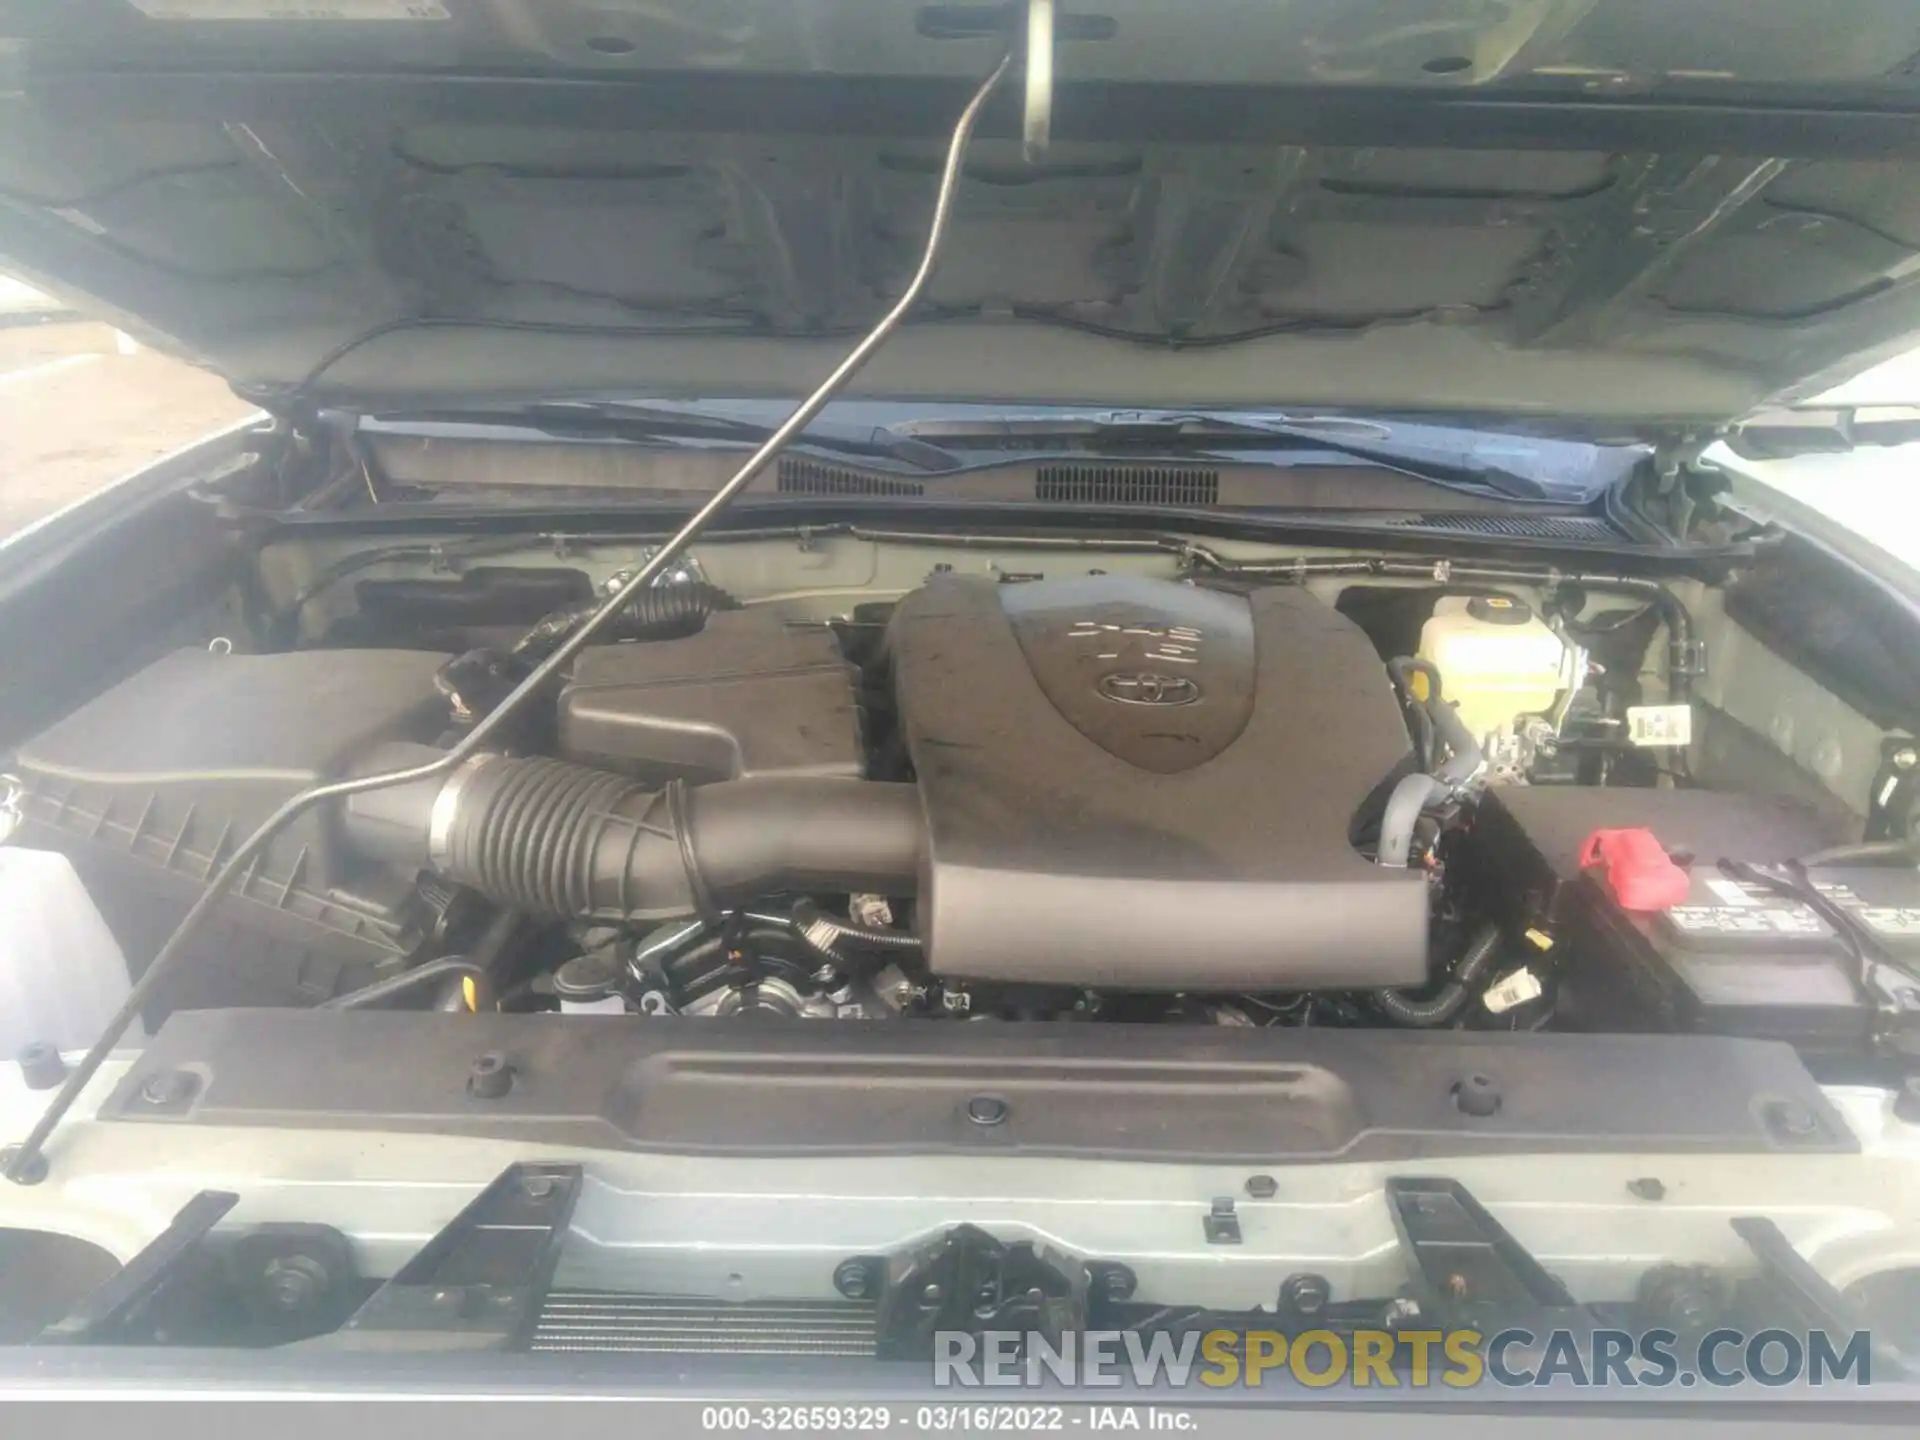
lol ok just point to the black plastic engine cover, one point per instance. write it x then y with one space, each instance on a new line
1133 784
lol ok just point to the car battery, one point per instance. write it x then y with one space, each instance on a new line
1883 901
1733 958
1736 958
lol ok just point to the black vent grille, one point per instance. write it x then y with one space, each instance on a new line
1127 485
586 1321
1515 527
812 477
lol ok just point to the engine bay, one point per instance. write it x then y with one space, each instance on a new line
1345 793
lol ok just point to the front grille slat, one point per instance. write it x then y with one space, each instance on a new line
588 1321
1082 484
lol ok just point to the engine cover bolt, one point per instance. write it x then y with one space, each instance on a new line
169 1087
988 1110
1476 1095
490 1078
1795 1120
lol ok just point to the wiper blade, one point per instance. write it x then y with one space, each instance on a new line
1369 440
619 420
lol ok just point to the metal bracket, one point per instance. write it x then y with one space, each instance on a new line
110 1312
1895 795
967 1280
1221 1225
1466 1259
1790 1292
1688 657
478 1284
1792 1281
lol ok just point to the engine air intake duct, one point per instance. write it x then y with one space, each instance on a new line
559 839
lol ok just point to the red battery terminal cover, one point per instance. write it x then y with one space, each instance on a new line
1636 869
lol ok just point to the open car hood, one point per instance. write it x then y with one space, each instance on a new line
1637 213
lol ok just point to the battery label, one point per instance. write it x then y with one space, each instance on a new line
1747 920
1902 921
1892 922
1732 892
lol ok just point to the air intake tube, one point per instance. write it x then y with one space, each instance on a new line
558 839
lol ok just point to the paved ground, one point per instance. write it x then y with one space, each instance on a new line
75 414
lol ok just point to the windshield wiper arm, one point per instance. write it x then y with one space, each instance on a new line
619 420
1186 434
1467 470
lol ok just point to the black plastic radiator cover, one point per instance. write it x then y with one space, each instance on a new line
1117 1091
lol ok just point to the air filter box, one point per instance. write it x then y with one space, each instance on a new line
149 787
750 695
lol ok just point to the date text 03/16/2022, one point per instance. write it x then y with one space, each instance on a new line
942 1418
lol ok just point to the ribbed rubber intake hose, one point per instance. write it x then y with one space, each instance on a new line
552 838
661 612
1452 996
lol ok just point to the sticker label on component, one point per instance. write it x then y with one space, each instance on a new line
1660 725
1888 922
1731 892
1748 920
1511 990
1902 921
287 10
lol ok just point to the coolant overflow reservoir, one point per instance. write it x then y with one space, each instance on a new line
1497 659
62 975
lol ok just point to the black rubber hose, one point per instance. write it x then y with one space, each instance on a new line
1869 852
1464 754
1405 804
551 838
829 936
1404 667
414 979
490 952
662 612
1454 995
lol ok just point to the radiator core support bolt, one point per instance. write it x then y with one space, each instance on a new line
856 1279
1305 1294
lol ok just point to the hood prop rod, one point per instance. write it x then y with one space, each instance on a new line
25 1163
1036 129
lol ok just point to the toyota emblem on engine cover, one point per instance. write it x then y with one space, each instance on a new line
1143 687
